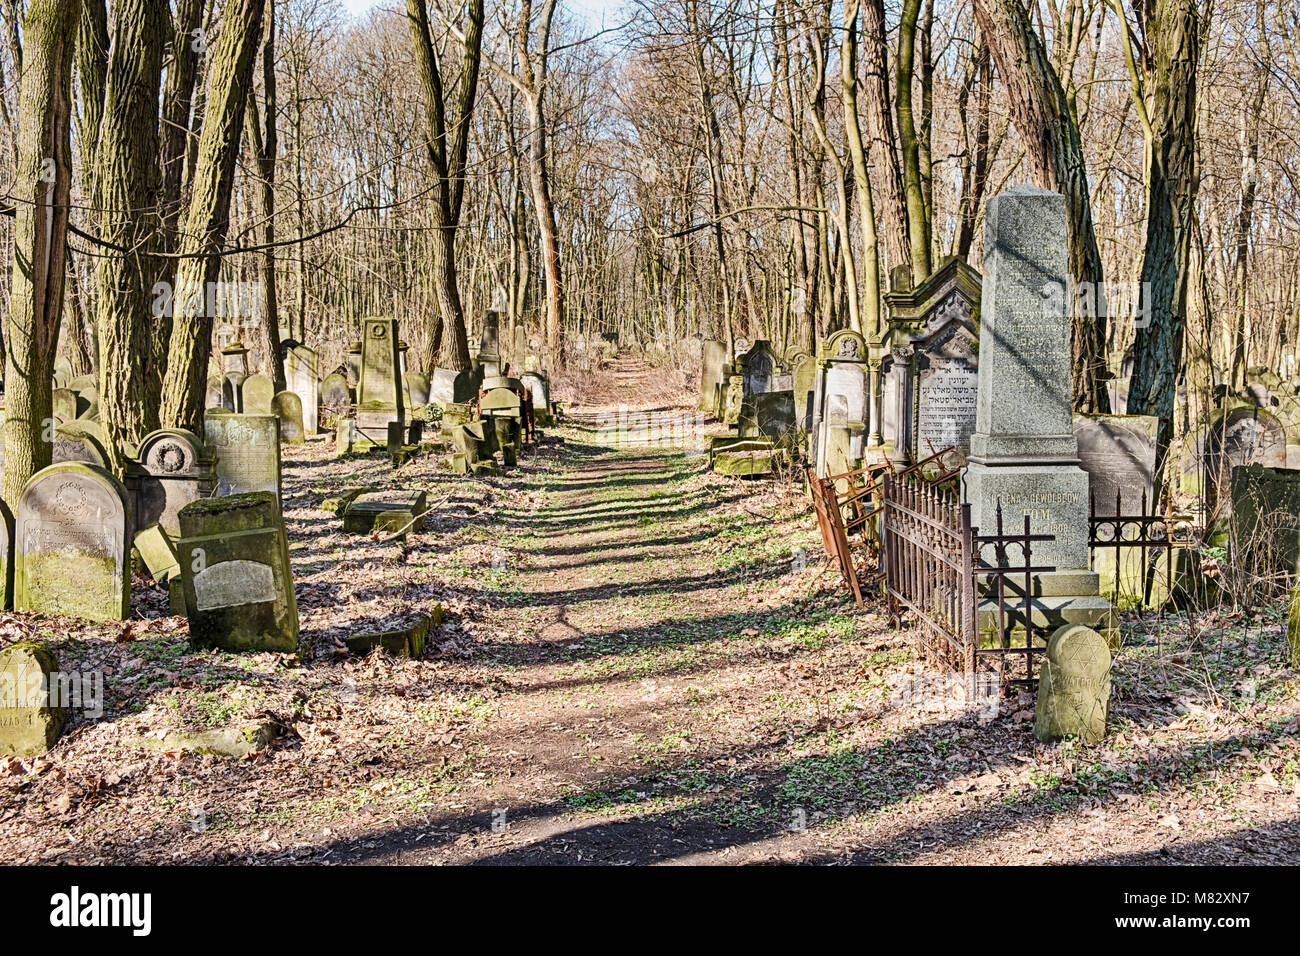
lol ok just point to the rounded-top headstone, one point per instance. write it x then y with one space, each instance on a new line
74 442
258 392
287 407
70 544
1074 686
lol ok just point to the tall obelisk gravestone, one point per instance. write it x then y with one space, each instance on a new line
1023 452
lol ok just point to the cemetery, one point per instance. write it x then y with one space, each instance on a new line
829 521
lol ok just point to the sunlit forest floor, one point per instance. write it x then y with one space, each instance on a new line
640 662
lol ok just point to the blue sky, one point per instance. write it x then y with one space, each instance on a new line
591 9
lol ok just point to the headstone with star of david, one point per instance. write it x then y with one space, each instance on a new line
1074 686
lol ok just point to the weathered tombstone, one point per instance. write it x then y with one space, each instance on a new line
88 402
803 381
212 395
65 404
80 383
6 556
157 553
417 388
1266 519
1023 455
63 366
334 397
247 452
1074 686
70 544
354 364
466 386
232 392
442 386
757 366
287 407
774 415
75 442
713 371
932 365
392 512
345 436
1242 435
541 390
840 396
300 375
379 390
489 350
258 392
1119 454
31 715
235 571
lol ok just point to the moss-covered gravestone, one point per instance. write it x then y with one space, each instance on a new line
79 441
287 407
1266 518
247 452
70 544
258 392
172 469
235 572
65 404
1074 686
30 722
1293 627
393 512
158 553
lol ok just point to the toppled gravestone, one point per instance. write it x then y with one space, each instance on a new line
30 721
1074 686
393 512
236 576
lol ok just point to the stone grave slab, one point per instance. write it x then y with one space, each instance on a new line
246 449
393 512
31 715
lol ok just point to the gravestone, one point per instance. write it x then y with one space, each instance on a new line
418 388
173 469
212 397
391 512
1119 454
88 402
489 349
354 364
466 386
287 407
802 382
74 441
713 365
157 553
840 398
1266 519
442 386
63 366
335 399
1241 435
246 449
232 392
541 390
6 557
70 544
774 415
1074 686
65 404
80 383
258 392
300 376
235 572
31 715
1023 454
379 390
757 366
932 365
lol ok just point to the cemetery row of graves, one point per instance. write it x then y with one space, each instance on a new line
951 480
201 517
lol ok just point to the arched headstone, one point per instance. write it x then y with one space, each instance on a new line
176 468
258 392
70 544
287 407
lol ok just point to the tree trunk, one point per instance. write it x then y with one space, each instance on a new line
42 184
1174 37
209 214
1050 134
264 147
918 217
127 174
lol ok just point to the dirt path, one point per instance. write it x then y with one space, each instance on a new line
642 663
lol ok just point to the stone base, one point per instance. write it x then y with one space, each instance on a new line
1048 613
1054 496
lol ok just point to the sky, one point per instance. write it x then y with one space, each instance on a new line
591 9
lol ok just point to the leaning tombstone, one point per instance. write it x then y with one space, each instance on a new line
247 452
287 407
31 714
157 553
258 392
63 366
417 388
1074 686
173 468
1240 435
70 544
235 572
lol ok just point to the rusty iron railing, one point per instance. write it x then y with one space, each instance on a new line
834 538
1002 649
1155 537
